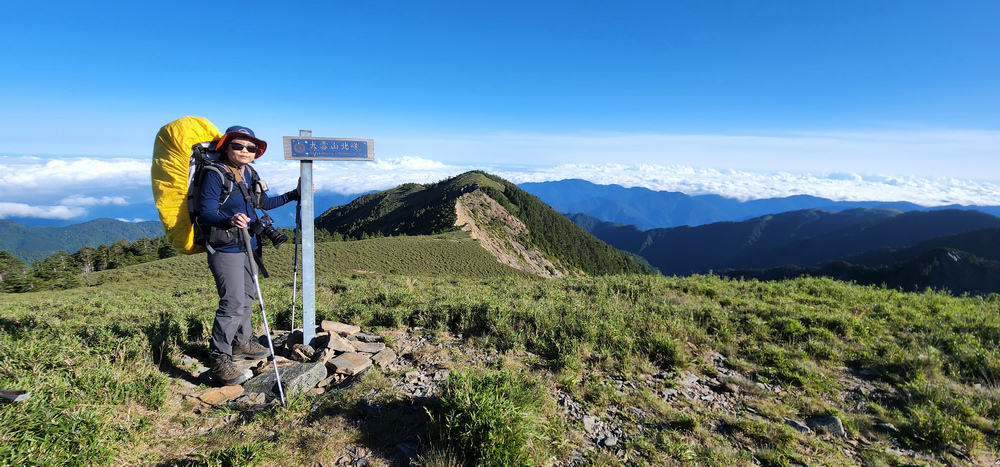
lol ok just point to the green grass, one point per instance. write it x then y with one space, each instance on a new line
98 361
493 419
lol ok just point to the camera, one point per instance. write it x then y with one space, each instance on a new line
265 225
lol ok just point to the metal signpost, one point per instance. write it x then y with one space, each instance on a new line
306 149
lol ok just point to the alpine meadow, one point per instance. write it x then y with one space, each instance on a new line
517 338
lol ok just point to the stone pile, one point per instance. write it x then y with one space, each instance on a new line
340 351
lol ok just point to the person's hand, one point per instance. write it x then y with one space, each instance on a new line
239 220
298 188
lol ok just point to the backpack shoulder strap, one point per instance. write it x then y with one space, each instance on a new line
228 179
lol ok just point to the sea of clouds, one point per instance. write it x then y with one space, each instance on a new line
73 187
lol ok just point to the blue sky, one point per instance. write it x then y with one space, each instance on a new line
741 98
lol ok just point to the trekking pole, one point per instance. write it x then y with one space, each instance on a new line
295 257
260 298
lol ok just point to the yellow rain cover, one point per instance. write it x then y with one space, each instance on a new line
171 161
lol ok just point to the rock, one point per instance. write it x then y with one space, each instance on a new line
331 380
324 355
590 423
883 426
339 328
798 426
299 356
252 398
349 364
216 396
320 339
339 344
289 340
384 357
689 379
297 378
831 425
367 347
264 366
364 337
305 349
610 441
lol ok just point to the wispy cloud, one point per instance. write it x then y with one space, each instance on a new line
80 200
42 212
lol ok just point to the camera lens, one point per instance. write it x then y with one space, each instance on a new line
263 226
277 238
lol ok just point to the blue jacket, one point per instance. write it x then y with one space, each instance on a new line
212 214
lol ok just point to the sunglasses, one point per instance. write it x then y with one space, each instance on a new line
239 147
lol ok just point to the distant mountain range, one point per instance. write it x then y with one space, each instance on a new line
951 249
648 209
898 244
30 243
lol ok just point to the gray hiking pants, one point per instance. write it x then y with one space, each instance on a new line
234 282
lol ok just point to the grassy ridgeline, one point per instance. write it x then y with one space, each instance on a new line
92 358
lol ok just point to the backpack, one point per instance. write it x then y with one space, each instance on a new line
183 153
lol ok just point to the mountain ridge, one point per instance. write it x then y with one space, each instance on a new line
803 238
649 209
863 245
548 242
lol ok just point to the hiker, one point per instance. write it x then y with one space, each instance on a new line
228 259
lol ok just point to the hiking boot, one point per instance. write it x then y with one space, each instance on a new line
251 349
226 372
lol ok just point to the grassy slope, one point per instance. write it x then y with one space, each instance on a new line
88 357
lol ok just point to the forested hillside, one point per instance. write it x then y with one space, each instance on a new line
63 270
29 244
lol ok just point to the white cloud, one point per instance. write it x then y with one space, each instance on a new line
136 220
745 185
80 200
43 212
358 177
63 174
